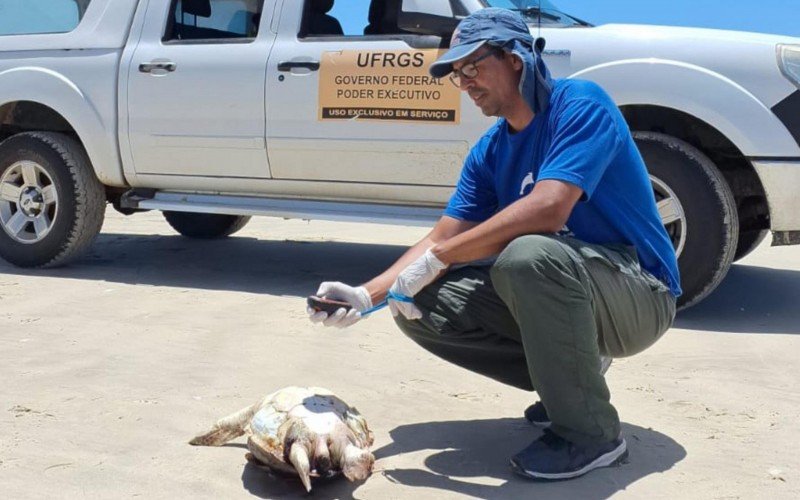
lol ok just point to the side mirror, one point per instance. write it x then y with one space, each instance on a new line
199 8
427 17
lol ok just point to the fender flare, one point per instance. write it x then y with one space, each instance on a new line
725 105
54 90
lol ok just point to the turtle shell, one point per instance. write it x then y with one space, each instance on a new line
320 411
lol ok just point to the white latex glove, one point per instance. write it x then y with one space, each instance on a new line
419 274
358 297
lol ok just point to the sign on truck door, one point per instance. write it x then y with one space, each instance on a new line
350 99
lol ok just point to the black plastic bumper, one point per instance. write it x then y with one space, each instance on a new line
788 112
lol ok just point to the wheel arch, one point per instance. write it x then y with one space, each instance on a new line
41 99
740 174
735 112
728 124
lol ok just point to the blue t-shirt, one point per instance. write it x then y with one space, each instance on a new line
581 139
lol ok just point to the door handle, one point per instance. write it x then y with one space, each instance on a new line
290 65
152 66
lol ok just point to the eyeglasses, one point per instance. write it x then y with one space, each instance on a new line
468 71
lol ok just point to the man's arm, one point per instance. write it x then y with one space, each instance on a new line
545 210
444 230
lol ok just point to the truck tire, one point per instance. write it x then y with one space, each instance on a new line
205 226
749 241
697 208
51 203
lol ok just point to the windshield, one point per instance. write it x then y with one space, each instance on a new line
535 11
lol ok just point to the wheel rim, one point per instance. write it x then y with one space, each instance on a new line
28 202
671 212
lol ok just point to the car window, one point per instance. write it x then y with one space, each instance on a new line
539 12
326 18
26 17
213 20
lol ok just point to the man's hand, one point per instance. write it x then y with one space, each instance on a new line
419 274
358 297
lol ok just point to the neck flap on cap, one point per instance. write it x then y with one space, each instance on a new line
536 84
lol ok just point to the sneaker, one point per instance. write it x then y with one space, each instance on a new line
536 413
553 458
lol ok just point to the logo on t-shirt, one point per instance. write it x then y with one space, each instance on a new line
527 182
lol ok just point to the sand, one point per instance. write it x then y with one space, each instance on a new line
109 366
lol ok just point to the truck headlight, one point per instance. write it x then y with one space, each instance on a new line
789 62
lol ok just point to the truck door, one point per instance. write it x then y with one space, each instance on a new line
195 96
350 99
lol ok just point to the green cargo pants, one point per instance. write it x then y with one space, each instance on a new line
540 317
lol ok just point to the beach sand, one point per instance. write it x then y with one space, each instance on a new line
110 365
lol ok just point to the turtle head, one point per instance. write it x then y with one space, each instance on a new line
357 463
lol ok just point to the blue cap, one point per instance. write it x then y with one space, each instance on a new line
495 26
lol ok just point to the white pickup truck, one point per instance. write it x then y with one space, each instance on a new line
216 110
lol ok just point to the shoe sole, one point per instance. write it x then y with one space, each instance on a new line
613 457
605 364
541 425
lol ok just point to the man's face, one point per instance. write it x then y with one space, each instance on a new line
495 89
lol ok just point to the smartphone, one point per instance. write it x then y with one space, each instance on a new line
330 306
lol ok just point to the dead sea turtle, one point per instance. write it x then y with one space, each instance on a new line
305 431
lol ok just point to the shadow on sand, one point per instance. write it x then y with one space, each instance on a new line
263 484
750 300
482 448
236 264
469 450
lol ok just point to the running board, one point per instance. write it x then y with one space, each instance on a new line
281 207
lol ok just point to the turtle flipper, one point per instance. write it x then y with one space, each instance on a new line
227 428
359 426
298 456
269 454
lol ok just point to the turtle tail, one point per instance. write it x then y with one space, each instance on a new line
227 428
